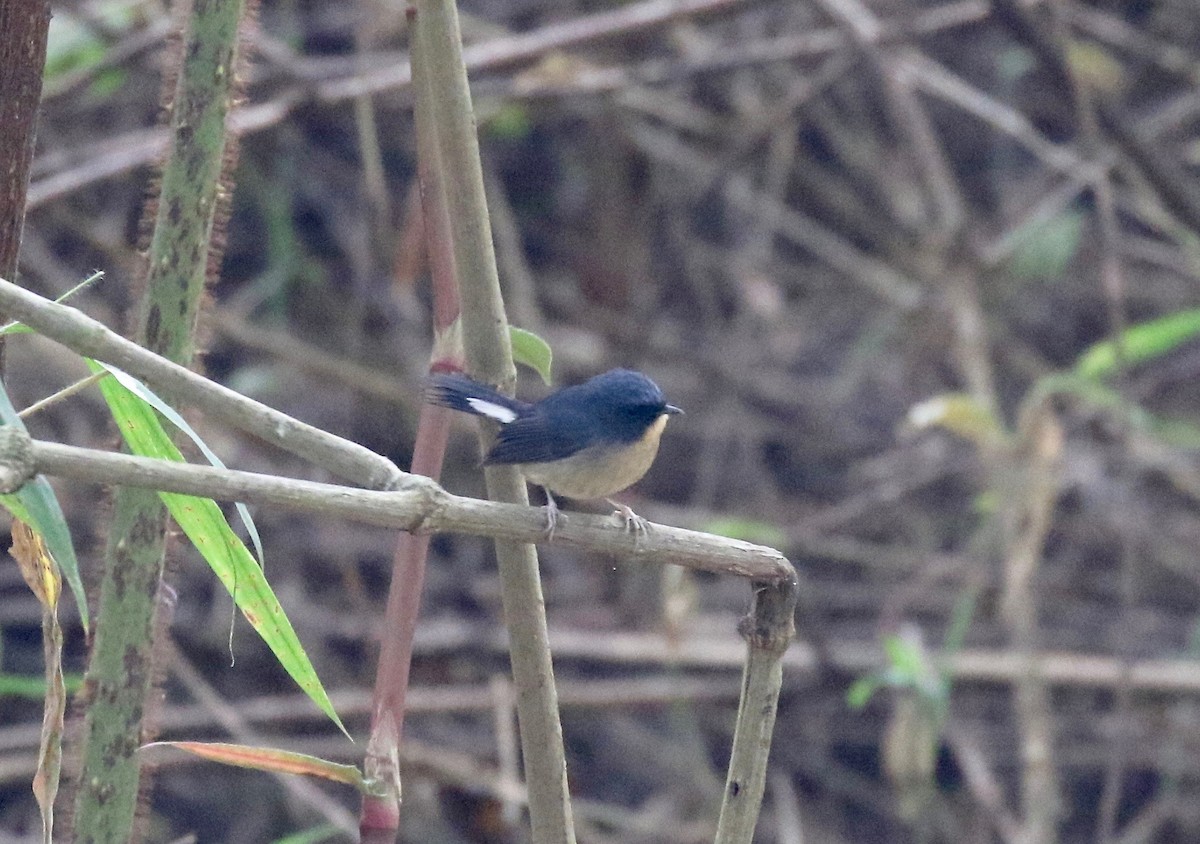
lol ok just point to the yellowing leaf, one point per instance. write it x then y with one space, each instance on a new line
37 566
42 574
959 414
268 759
1096 66
49 767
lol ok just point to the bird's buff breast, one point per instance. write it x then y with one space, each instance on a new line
601 471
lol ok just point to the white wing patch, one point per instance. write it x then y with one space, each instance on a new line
493 411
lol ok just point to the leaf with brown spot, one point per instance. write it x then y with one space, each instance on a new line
42 574
37 566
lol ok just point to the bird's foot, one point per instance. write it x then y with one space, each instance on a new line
634 523
551 516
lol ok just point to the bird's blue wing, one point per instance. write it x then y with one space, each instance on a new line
531 440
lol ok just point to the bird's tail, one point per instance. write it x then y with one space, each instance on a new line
458 392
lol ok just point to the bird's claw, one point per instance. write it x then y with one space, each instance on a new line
634 523
551 516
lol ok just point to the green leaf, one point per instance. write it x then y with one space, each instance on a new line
37 506
531 350
1142 342
71 45
747 530
74 44
108 82
510 122
862 690
205 525
34 688
904 658
1043 248
147 395
315 835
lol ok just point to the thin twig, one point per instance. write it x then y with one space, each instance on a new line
90 338
65 393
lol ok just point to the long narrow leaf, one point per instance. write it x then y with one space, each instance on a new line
44 577
269 759
147 395
205 525
1142 342
36 504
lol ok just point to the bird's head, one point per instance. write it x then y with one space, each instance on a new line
629 402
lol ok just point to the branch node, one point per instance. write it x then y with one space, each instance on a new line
16 458
770 625
437 502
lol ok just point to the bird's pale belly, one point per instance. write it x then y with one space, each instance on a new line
598 472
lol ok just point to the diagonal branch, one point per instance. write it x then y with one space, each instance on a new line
89 337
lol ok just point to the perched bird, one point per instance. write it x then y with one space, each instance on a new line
588 441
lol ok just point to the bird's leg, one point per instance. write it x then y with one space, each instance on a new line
551 515
634 523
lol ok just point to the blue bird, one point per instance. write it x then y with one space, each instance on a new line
588 441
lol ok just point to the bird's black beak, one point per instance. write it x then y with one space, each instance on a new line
672 410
